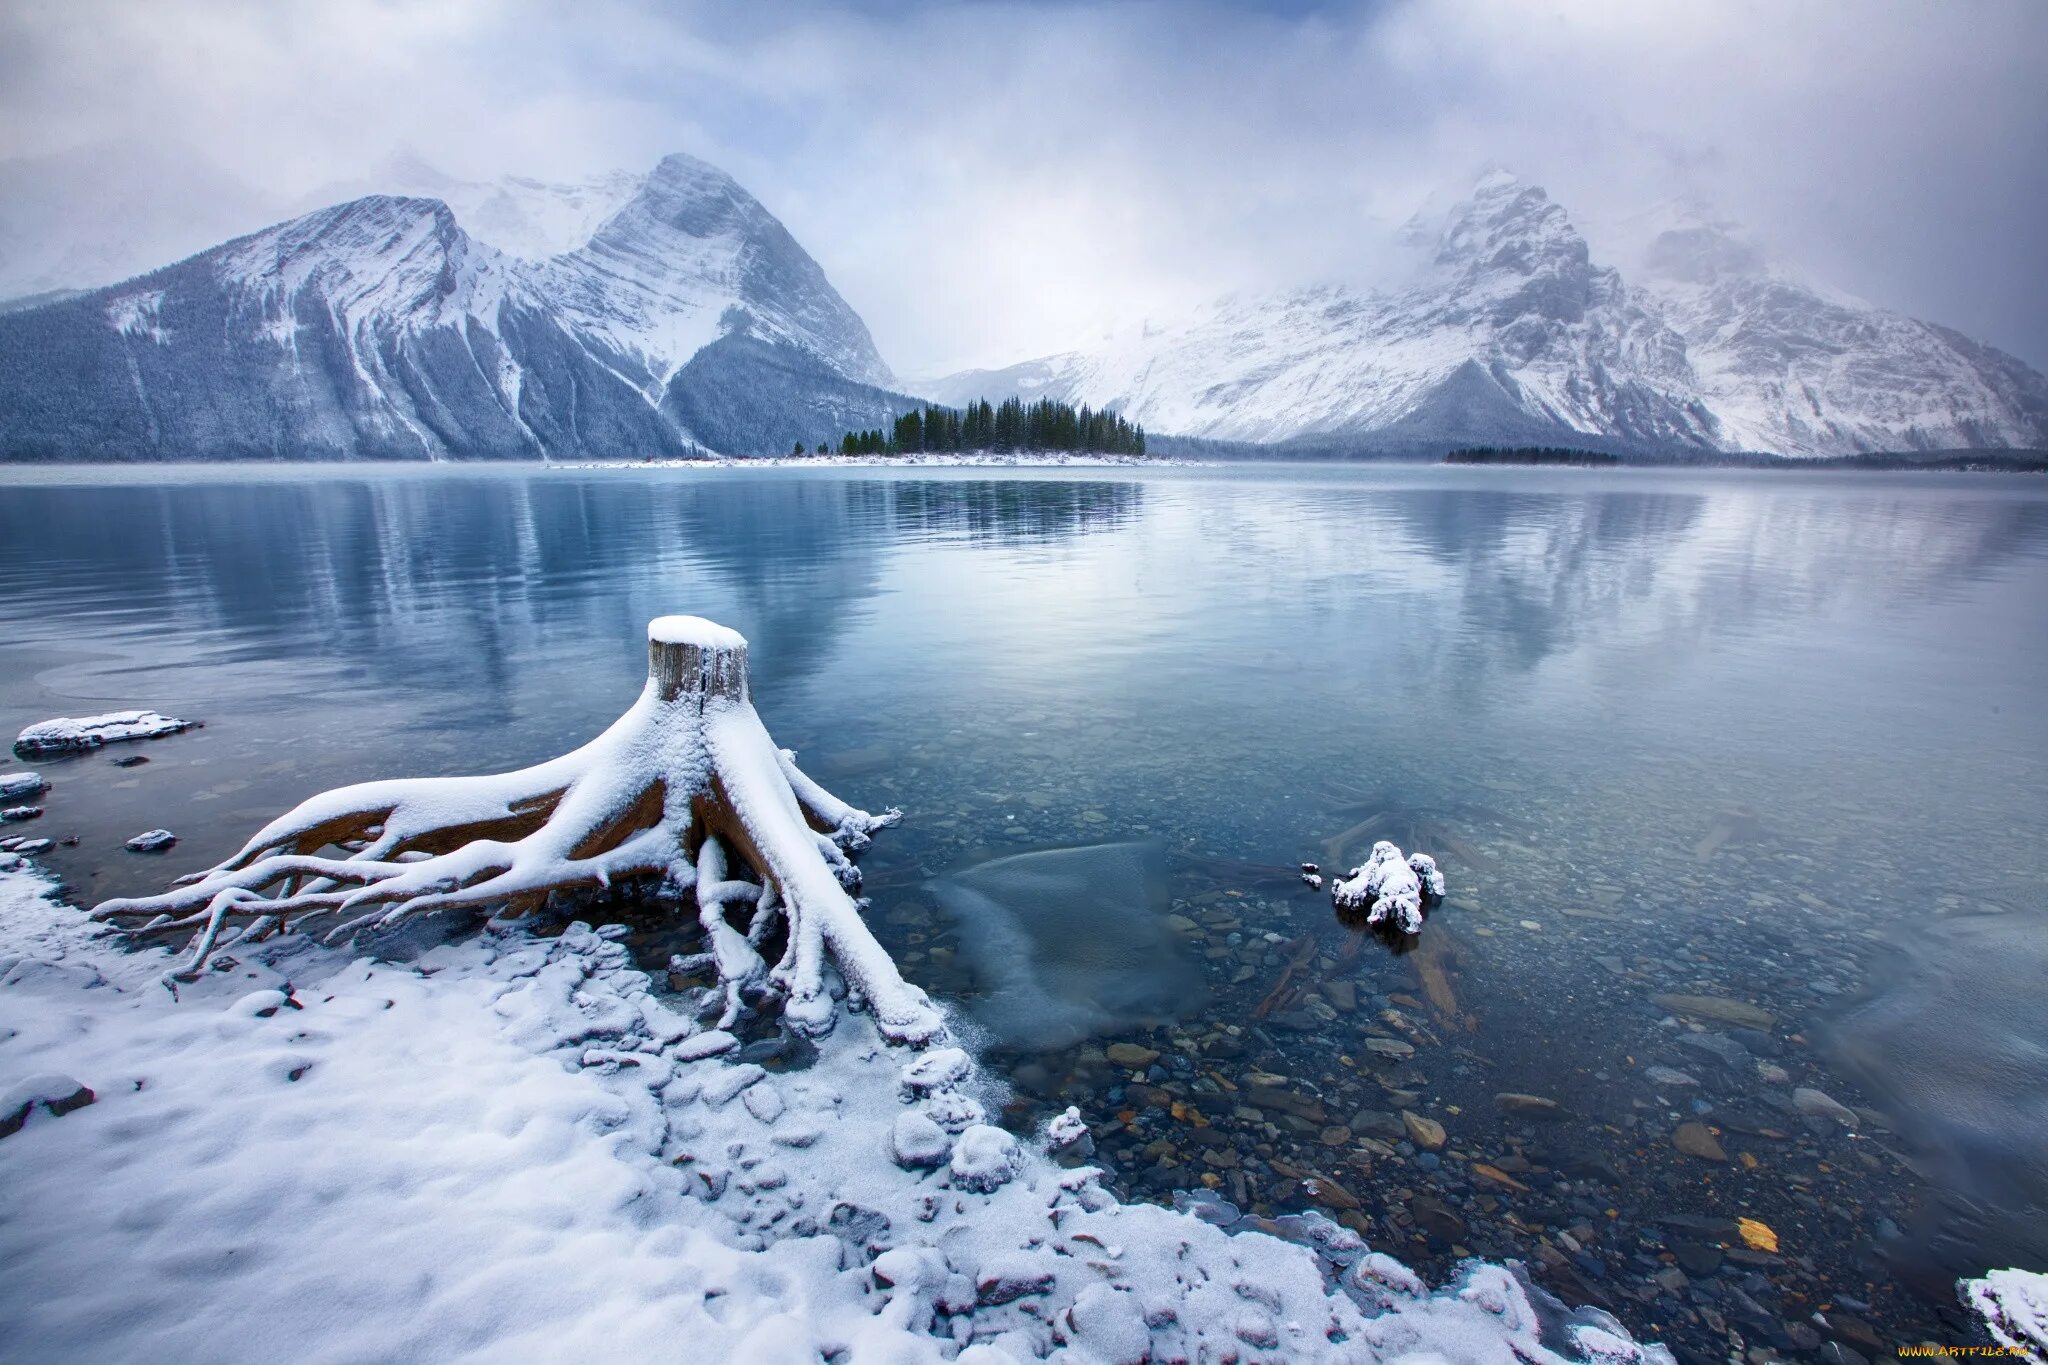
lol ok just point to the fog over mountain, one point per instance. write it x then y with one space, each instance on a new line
993 181
1506 329
1766 199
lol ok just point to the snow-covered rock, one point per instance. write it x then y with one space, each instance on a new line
68 735
15 785
985 1159
13 814
152 841
933 1068
917 1141
51 1090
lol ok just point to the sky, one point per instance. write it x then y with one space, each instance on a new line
987 182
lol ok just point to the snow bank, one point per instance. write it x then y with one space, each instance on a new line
987 459
67 735
508 1148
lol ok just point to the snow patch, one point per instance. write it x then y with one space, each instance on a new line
438 1143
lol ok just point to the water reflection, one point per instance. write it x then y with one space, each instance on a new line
1670 735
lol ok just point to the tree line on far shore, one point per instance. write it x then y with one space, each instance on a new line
1012 425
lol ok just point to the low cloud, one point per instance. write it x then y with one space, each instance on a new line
989 181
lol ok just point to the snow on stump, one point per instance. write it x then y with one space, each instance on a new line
2012 1306
66 735
685 781
1388 886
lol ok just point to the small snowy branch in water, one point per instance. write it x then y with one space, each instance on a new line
687 776
1388 886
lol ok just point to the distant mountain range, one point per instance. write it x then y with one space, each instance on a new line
1508 332
662 315
670 314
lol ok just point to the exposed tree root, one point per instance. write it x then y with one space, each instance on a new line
687 778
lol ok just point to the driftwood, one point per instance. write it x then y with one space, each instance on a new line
1284 991
684 786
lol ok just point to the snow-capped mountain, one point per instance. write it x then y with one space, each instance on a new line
519 215
382 327
1793 367
1510 332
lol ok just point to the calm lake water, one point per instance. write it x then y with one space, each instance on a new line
1775 740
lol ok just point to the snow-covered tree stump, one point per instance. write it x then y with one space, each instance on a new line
1388 886
685 780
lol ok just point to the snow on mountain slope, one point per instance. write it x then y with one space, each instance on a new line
382 328
519 215
1798 369
1510 332
693 256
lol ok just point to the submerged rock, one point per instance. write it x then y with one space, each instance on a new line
1818 1104
1425 1133
1696 1139
1529 1106
1717 1008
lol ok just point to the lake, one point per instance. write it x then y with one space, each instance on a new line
1739 781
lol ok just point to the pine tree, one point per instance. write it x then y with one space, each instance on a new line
1011 426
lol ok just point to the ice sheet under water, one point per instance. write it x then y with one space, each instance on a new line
1065 943
1954 1046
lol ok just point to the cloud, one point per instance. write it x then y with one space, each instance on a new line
987 181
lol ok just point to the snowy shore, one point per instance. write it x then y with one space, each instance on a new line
494 1148
985 459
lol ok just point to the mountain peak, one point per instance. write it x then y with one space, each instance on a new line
1496 180
1509 225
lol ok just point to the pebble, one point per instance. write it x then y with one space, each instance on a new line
1717 1008
1719 1048
1528 1106
1816 1104
1131 1054
1666 1076
1425 1133
1696 1139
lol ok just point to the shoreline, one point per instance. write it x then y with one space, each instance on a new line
492 1111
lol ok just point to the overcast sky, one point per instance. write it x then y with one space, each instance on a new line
990 181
